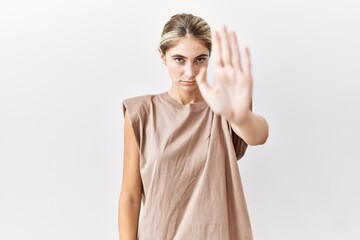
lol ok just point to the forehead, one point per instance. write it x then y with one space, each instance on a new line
188 47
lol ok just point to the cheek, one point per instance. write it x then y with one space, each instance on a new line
175 70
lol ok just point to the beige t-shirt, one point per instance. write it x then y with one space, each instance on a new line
188 165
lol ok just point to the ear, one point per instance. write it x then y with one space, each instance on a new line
162 56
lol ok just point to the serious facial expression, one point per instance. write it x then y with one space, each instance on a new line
184 61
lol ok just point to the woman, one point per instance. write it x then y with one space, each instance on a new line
181 146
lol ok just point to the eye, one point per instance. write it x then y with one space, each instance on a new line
200 60
179 60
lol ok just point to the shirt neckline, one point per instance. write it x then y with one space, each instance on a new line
191 106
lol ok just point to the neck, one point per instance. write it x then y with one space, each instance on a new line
184 97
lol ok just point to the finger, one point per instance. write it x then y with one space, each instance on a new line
246 60
201 80
225 46
235 53
216 50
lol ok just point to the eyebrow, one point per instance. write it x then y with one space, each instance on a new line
181 56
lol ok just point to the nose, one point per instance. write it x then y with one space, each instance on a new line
189 70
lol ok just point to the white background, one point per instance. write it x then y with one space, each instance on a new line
65 67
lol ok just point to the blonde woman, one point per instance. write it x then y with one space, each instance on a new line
181 146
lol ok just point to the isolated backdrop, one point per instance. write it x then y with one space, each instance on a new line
65 67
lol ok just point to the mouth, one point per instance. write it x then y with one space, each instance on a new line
188 82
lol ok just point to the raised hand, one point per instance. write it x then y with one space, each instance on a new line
231 93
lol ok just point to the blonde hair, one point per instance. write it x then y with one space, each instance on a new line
184 25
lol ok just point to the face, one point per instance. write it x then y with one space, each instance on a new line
184 61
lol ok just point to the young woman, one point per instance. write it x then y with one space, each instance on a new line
181 146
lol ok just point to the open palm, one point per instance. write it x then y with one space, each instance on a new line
231 93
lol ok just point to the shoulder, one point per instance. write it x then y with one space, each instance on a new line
139 100
139 103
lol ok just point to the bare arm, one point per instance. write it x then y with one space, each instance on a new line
131 189
254 129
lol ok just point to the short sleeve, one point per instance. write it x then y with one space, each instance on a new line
135 108
240 145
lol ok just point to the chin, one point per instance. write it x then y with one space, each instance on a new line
189 88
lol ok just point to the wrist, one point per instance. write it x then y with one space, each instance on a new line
240 119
